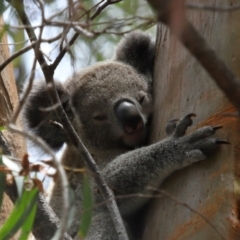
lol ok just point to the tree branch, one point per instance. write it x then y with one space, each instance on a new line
64 50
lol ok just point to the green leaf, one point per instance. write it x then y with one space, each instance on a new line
23 210
2 127
87 208
2 181
28 224
72 210
4 29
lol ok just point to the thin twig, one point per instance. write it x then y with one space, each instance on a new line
87 12
26 93
25 49
75 36
16 54
50 40
58 13
62 53
70 24
70 8
79 30
164 193
102 7
14 44
21 27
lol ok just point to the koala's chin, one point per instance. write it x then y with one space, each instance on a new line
136 139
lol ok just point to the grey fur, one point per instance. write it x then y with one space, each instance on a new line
94 100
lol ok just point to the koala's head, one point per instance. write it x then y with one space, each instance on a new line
112 100
109 103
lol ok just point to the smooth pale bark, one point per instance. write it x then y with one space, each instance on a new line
9 100
182 86
8 103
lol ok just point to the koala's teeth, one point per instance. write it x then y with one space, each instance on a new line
128 129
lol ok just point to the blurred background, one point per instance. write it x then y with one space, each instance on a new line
107 28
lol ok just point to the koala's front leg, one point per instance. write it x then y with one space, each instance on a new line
134 171
102 227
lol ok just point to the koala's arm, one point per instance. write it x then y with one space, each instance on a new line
134 171
38 111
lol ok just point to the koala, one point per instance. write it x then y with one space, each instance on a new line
110 106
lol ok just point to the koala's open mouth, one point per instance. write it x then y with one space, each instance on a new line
135 138
134 127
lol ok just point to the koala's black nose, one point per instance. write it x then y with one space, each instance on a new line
129 116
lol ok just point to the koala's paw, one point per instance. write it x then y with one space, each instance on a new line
196 145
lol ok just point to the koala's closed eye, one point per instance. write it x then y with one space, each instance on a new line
100 117
141 96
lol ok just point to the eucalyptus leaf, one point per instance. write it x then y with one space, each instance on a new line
2 182
4 29
87 208
72 209
28 224
2 127
20 214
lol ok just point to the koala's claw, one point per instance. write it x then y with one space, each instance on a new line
222 142
190 115
183 124
204 147
217 127
171 126
201 140
201 133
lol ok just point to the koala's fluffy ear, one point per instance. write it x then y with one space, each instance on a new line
137 49
37 115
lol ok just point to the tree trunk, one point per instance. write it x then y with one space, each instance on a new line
182 86
8 104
